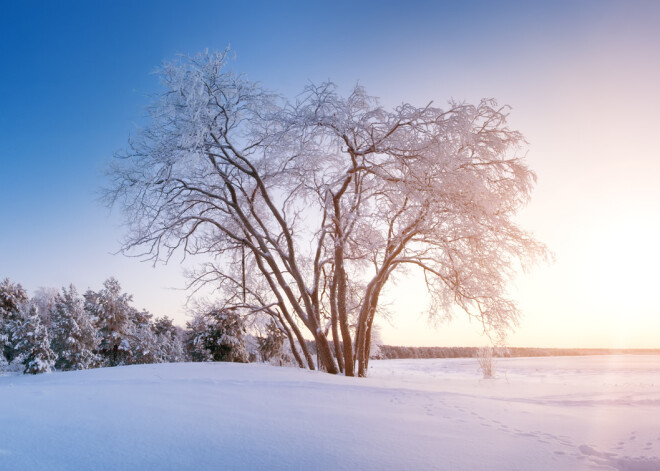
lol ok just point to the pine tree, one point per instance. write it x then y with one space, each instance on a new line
11 297
168 339
196 340
220 336
143 343
32 342
111 310
74 336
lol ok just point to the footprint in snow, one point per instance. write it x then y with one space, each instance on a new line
621 463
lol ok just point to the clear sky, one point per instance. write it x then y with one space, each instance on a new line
582 77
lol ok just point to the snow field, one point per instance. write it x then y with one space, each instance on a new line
571 413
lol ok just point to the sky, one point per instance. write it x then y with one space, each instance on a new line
581 77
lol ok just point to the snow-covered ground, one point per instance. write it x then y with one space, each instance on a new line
570 413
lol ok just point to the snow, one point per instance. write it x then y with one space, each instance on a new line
567 413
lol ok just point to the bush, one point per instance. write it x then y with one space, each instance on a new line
485 359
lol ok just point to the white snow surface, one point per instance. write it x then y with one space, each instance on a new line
567 413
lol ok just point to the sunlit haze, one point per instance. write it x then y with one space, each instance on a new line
581 78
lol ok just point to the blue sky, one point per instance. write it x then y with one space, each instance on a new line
581 78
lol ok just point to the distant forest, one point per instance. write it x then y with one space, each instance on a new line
395 352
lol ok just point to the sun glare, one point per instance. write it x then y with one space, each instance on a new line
625 261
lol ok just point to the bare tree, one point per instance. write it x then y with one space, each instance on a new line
307 209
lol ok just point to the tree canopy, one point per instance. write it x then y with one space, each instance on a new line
305 209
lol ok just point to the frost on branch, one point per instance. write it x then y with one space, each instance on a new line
308 208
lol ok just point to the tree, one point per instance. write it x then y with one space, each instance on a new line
112 312
144 346
219 335
44 299
74 336
31 341
309 208
271 345
169 340
12 296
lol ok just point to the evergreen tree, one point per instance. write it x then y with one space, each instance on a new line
195 342
32 342
11 297
74 336
219 335
44 299
271 346
112 311
144 347
168 339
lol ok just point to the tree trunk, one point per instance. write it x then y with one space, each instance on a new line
325 354
335 329
347 343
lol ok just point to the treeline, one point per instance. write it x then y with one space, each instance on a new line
395 352
68 331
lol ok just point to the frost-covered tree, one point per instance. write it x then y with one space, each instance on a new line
112 312
169 340
218 335
31 341
144 346
325 200
45 298
194 344
271 345
376 342
73 333
12 296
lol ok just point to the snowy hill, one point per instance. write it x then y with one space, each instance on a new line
537 414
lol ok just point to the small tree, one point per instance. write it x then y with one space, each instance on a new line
219 335
376 343
271 346
485 360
